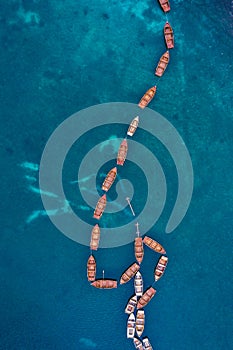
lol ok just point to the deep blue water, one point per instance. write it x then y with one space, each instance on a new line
60 57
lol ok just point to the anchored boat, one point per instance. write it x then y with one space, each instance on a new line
162 65
91 268
133 126
131 305
146 297
99 209
131 326
105 283
95 237
138 249
129 273
138 284
151 243
168 35
123 149
165 5
110 178
138 344
147 344
140 322
160 267
147 97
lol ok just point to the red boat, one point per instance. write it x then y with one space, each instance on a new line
138 249
162 65
146 297
147 97
154 245
104 284
129 273
165 5
122 152
91 268
168 35
110 178
99 209
95 237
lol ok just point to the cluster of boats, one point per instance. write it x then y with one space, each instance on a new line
138 301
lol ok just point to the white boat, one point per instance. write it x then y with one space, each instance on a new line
138 284
131 326
138 344
140 322
147 344
133 126
131 305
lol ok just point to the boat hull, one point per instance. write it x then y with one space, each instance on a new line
147 97
165 5
133 126
122 152
138 249
104 283
151 243
91 268
110 178
129 273
168 36
138 284
95 237
100 206
160 267
146 297
162 65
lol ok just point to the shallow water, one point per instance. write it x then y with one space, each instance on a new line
60 58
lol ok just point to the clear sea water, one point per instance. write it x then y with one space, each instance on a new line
58 57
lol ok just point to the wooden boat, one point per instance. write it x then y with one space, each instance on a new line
129 273
105 283
123 149
146 297
147 344
140 322
154 245
165 5
138 344
160 267
138 284
133 126
131 326
110 178
168 35
147 97
100 206
162 65
132 303
91 268
138 249
95 237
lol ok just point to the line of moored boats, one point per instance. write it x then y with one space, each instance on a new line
140 298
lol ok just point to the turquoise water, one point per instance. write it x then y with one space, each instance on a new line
60 58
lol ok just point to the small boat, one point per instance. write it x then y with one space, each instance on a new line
147 344
129 273
138 249
132 303
131 326
100 206
105 283
160 267
168 35
138 284
165 5
138 344
122 152
133 126
162 65
154 245
91 268
146 297
95 237
110 178
140 322
147 97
